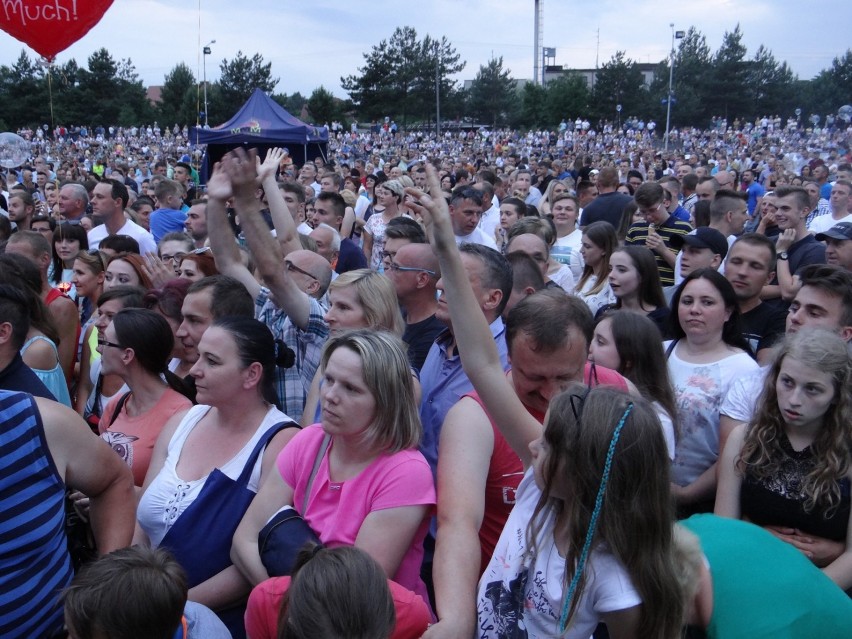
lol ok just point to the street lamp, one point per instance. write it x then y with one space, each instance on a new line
678 35
206 51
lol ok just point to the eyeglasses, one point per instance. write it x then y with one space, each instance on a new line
387 255
652 211
292 268
174 258
396 267
103 342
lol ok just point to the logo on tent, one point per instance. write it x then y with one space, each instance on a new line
252 127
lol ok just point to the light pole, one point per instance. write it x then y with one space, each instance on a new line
437 90
206 51
678 35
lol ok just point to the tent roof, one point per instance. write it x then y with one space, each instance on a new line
261 120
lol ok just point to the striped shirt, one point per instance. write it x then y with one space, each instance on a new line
34 562
292 384
638 233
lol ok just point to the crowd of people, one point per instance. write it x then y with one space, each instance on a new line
548 384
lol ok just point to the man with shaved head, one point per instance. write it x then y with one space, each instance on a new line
413 269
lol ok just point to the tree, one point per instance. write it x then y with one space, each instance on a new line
398 76
727 85
178 82
491 95
831 88
533 112
770 85
323 106
24 93
619 81
292 103
239 78
567 97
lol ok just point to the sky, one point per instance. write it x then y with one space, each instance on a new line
315 43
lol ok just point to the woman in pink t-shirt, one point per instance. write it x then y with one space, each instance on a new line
372 488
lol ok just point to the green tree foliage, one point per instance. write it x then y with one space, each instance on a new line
398 77
178 85
770 85
239 78
324 107
727 85
533 112
292 103
492 93
24 92
567 97
619 81
831 88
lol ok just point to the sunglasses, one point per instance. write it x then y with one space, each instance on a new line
292 268
396 267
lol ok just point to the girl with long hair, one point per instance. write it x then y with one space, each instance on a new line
596 246
629 344
707 352
635 283
790 469
68 241
197 265
126 269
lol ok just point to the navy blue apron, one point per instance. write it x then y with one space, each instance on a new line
201 537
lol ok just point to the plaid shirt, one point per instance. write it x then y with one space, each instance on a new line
292 384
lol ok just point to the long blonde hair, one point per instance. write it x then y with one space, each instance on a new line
762 456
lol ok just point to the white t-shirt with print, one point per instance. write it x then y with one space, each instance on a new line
520 595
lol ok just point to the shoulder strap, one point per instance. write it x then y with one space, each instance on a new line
671 347
119 405
261 445
326 440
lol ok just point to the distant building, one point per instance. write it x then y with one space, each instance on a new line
554 72
154 94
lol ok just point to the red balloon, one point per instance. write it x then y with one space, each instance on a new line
50 26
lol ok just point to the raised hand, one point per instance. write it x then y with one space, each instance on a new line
242 171
432 208
219 184
270 163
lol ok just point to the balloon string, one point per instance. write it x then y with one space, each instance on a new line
50 98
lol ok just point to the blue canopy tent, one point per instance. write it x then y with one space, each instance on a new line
262 123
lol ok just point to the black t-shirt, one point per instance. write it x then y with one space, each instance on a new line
419 337
763 325
607 207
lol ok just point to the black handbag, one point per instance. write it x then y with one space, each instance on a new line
286 533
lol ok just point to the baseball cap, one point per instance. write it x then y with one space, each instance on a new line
842 231
704 237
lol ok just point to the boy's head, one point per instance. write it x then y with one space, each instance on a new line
133 593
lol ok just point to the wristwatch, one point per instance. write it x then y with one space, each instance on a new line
783 255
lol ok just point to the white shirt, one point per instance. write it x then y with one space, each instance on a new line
822 223
145 239
477 237
521 595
